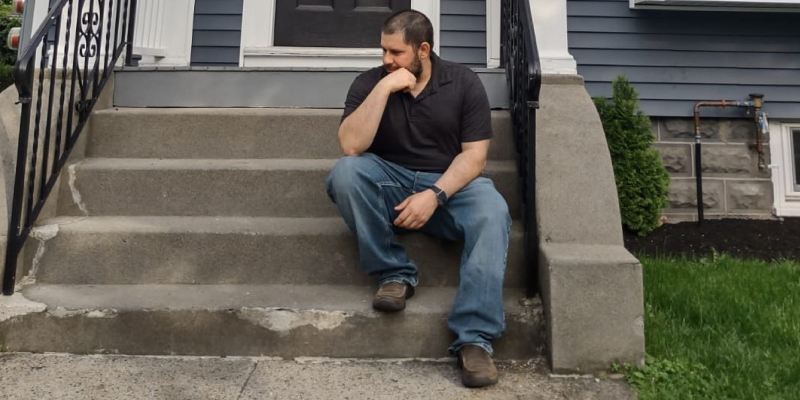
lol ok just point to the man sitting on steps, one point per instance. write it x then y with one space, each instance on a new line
415 135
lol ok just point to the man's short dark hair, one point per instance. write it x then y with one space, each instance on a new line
414 25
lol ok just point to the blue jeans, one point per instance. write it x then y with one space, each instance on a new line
366 189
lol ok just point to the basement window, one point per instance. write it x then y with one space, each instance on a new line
785 149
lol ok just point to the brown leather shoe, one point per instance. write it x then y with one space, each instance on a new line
391 296
478 369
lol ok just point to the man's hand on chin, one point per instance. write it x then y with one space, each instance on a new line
400 79
416 210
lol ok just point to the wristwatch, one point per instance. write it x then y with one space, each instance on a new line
441 196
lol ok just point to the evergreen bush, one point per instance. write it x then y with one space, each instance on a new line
642 181
7 56
7 21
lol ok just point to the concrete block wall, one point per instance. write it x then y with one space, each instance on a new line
733 185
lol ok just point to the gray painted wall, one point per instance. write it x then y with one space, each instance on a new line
463 32
256 87
675 58
217 32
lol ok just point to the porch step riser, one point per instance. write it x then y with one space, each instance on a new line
264 321
205 188
236 133
302 251
226 333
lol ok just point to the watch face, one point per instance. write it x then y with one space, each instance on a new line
441 197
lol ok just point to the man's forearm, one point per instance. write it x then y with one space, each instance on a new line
358 130
467 166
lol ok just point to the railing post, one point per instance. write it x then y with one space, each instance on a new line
131 25
520 59
24 82
27 205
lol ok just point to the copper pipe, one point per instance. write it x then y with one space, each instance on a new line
758 104
698 144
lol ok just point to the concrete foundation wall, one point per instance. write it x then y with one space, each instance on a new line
733 184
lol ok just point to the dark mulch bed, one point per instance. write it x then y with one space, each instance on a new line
743 238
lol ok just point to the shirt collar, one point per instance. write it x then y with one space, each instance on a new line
440 72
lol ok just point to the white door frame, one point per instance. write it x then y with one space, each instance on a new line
258 50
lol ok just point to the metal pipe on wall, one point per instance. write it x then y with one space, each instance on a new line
762 127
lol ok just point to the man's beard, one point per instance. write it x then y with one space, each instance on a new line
415 68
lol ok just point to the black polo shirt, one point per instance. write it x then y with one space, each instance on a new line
425 133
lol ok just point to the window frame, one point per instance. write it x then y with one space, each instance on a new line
786 193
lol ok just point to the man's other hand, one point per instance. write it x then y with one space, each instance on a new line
400 79
416 210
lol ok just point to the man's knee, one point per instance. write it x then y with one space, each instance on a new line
491 212
349 172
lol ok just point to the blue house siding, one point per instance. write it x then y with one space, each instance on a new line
463 32
217 32
675 58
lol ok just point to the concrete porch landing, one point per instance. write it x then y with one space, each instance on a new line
58 376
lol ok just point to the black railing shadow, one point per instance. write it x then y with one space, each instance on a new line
520 58
95 34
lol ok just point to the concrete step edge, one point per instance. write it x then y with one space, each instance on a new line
284 226
239 111
277 164
280 321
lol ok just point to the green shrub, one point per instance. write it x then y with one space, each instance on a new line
642 181
7 21
6 76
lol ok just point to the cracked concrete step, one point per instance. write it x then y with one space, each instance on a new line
228 320
235 133
232 250
189 187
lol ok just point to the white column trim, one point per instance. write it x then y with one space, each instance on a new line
431 9
550 24
493 23
258 50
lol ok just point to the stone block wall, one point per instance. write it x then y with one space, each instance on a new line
733 185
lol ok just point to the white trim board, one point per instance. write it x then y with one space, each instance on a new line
787 199
258 50
718 5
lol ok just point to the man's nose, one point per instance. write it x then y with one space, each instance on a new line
387 59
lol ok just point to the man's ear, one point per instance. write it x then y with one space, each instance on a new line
424 50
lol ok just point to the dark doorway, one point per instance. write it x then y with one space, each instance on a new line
333 23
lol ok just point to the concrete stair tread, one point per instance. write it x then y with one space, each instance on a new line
210 111
270 187
245 133
345 298
230 250
209 224
234 164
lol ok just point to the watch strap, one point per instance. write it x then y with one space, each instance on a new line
441 196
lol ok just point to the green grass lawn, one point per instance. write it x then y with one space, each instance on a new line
720 328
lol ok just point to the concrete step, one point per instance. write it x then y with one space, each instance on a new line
195 187
271 320
235 133
232 250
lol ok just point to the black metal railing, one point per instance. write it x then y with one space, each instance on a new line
54 111
520 58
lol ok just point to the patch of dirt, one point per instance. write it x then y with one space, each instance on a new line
743 238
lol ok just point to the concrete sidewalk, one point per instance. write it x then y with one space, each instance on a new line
60 376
